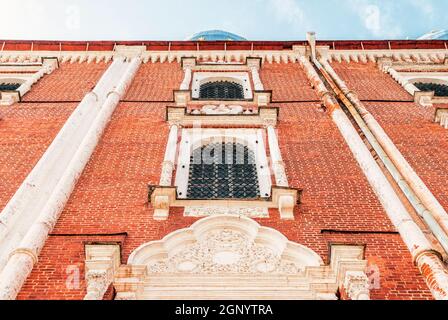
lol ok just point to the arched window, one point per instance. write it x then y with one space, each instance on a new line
9 86
223 171
440 90
221 90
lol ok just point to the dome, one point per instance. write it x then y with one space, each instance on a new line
216 35
435 35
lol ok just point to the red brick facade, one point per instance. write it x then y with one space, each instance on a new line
110 201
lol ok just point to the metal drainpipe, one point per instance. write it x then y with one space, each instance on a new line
418 186
424 256
414 200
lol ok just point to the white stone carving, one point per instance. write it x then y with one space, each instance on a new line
206 211
357 285
232 257
221 109
252 247
226 251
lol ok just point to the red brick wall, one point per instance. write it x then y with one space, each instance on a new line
111 196
26 130
155 82
288 82
411 127
70 82
370 83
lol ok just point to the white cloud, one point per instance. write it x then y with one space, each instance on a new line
289 11
379 21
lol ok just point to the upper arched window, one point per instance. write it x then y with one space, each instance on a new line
221 90
440 90
223 171
9 86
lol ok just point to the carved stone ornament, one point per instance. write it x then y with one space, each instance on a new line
233 257
206 211
236 247
221 109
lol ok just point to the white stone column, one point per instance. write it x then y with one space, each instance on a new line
102 262
185 85
276 159
20 262
286 202
258 85
170 157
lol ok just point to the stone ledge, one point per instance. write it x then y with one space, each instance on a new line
264 117
284 199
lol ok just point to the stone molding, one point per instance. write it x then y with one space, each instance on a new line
397 55
162 198
234 56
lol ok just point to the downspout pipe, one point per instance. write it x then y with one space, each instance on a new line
427 260
414 200
23 259
411 177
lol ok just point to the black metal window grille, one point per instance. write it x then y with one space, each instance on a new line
223 171
440 90
9 86
221 90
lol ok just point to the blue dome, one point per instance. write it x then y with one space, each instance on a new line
435 35
215 35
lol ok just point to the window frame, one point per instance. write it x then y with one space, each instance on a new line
201 78
193 138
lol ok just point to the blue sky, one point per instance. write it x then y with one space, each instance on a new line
253 19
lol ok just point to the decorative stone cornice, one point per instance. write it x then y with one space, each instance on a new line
270 56
102 261
397 55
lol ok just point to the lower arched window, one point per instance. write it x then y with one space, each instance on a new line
440 90
223 171
221 90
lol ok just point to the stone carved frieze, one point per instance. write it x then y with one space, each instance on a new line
225 251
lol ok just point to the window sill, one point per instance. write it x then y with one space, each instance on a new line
284 199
